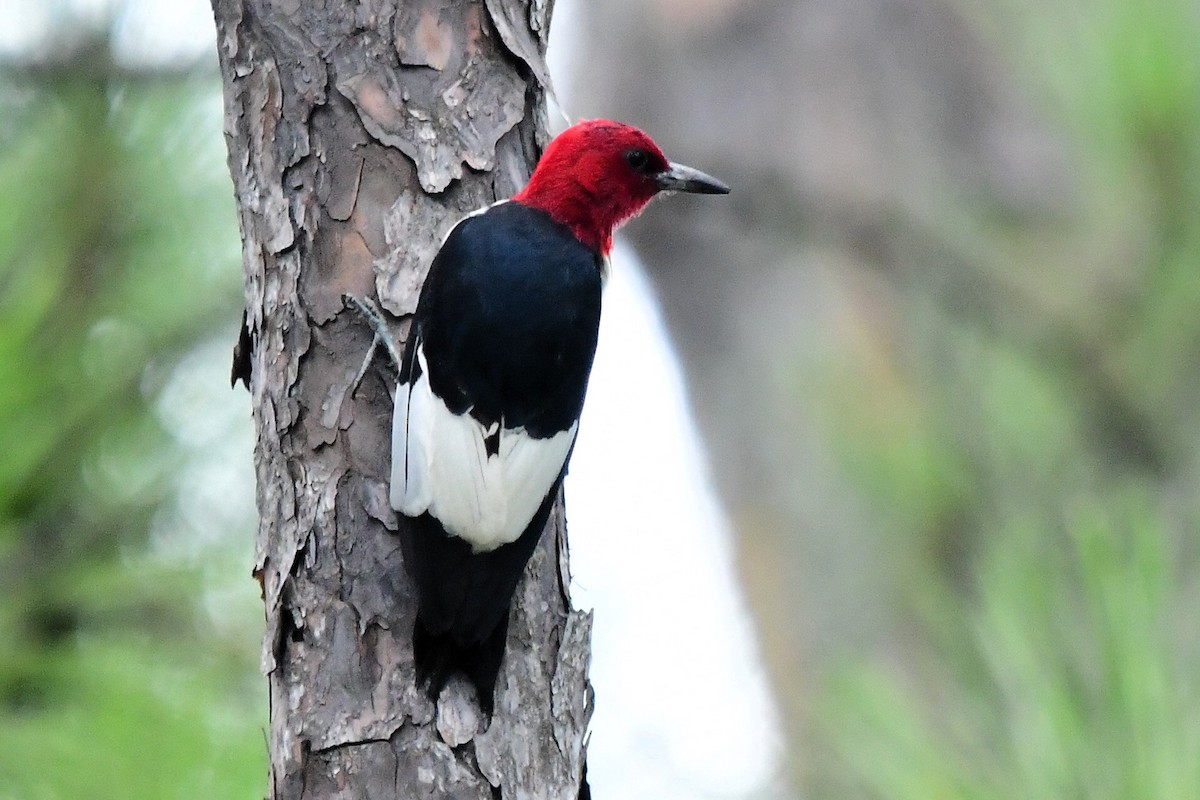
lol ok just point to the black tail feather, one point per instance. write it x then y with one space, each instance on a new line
437 656
585 791
463 601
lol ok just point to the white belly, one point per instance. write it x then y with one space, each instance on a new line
440 464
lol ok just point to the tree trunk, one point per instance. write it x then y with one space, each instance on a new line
358 134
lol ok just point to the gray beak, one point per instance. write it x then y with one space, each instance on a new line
685 179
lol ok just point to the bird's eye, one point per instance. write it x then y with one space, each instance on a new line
638 159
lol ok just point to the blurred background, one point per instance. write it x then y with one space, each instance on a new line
917 502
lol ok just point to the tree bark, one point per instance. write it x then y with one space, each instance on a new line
358 133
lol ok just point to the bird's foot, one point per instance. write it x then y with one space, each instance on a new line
383 335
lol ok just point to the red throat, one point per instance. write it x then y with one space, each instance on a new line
591 225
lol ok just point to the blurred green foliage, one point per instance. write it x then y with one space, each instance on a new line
1036 459
118 253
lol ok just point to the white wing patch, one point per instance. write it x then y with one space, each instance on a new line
440 465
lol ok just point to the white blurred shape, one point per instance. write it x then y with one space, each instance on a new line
682 704
154 32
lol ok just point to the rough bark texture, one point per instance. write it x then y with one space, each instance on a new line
358 133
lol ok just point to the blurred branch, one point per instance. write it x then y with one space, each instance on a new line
92 57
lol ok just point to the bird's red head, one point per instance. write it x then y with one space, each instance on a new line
597 174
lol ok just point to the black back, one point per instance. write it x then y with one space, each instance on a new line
509 317
508 320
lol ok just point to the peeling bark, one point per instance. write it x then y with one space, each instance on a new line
358 133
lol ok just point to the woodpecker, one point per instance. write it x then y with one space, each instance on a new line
492 382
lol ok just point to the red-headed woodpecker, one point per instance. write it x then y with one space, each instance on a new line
492 382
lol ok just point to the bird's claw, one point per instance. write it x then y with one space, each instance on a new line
383 335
